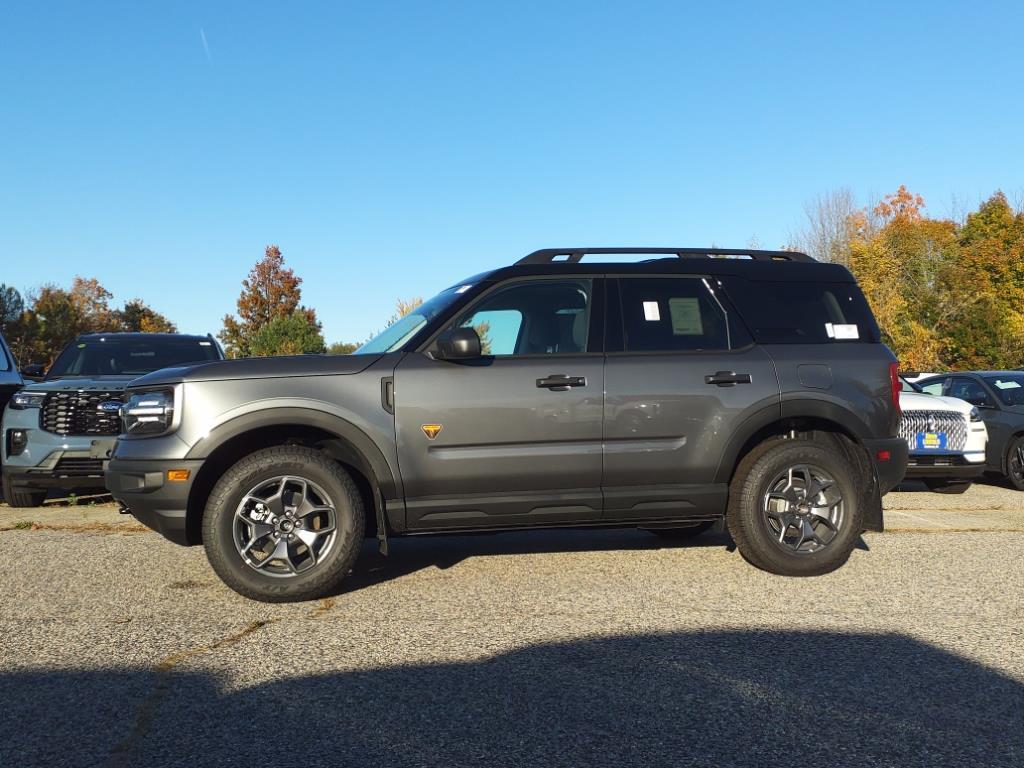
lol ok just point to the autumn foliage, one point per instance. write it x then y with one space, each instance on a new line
948 295
271 295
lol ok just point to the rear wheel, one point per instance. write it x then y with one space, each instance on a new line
22 497
1015 463
284 524
794 508
684 531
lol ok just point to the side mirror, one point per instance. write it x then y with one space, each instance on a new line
459 344
34 371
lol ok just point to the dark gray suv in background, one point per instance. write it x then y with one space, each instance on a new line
667 394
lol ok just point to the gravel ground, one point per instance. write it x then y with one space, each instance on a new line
557 648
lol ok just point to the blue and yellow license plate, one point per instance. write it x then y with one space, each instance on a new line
931 441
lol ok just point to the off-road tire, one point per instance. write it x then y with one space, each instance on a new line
321 580
745 517
22 497
691 531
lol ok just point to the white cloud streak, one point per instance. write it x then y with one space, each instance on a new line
206 45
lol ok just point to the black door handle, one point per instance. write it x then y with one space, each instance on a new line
561 383
727 378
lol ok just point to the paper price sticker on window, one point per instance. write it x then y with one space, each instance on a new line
651 313
842 331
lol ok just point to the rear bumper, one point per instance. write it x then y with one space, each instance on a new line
143 488
889 471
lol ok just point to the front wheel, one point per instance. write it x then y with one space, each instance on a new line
1015 463
284 524
22 497
794 508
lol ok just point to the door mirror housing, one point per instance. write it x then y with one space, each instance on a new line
459 344
34 371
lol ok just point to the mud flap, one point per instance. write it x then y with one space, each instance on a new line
382 526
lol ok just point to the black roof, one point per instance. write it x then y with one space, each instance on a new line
742 262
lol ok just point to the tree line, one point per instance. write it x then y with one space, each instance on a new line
948 293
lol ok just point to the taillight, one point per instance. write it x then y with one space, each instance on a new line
895 386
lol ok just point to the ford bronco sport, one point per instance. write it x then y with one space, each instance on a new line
58 432
666 394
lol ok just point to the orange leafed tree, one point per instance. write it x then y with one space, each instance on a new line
271 291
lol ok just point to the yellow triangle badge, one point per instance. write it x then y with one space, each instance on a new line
431 430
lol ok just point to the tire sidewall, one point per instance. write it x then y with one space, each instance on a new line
762 546
218 522
1014 444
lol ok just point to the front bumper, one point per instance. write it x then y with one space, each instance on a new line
889 471
955 466
141 485
52 461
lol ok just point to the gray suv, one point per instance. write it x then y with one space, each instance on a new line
668 394
58 432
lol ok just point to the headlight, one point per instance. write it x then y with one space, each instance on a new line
975 414
148 413
23 400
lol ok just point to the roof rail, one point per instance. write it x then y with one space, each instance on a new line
574 255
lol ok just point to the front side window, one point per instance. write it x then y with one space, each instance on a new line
969 390
543 317
672 314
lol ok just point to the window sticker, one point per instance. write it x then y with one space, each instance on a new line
463 288
685 313
651 312
1008 384
842 331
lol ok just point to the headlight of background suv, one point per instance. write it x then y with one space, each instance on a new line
975 414
24 400
148 413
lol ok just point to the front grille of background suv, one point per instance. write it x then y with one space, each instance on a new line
953 423
78 413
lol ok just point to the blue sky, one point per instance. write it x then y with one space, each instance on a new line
393 148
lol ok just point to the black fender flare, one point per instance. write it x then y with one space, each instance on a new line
365 447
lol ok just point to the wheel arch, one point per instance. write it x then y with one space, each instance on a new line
343 441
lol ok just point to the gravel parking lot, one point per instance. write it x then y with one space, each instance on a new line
559 648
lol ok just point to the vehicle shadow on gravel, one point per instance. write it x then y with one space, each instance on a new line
412 554
702 698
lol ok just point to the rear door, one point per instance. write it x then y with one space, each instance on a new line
514 437
682 375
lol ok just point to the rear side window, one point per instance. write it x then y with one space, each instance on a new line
803 312
5 362
672 314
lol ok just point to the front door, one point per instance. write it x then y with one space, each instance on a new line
513 437
682 380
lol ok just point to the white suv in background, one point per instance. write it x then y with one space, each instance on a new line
946 437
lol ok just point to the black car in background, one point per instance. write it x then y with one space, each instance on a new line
999 395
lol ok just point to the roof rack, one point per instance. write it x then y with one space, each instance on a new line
574 255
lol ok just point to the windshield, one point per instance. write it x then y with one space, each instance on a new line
1009 387
398 333
112 356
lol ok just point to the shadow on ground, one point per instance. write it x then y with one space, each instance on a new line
415 553
703 698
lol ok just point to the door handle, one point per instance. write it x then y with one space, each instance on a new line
727 378
561 383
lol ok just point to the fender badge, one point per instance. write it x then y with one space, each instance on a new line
431 430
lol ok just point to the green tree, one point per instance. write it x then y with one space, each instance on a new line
271 291
138 317
291 335
11 305
342 348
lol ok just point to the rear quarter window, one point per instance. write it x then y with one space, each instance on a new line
803 312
